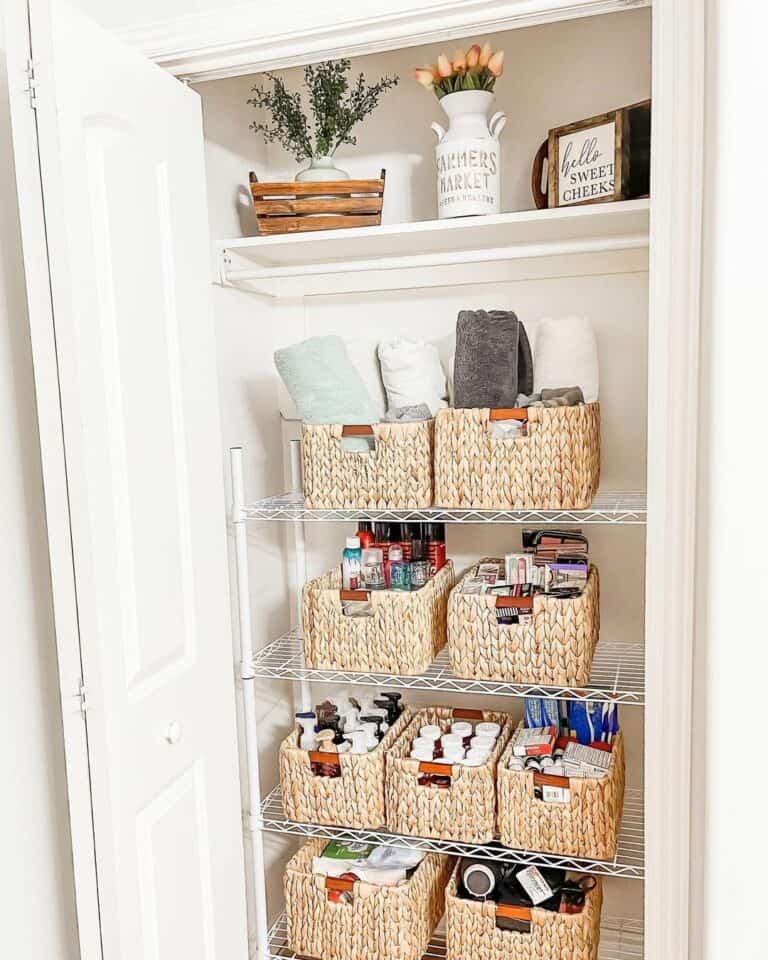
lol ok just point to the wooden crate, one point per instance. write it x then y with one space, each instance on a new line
290 207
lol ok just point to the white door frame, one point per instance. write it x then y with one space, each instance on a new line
201 48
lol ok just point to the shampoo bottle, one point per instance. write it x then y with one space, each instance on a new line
350 565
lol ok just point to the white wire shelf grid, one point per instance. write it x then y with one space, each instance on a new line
618 508
620 939
618 675
628 862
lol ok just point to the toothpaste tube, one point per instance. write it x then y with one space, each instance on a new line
541 712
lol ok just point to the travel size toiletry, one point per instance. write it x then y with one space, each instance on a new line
399 569
372 570
434 535
350 565
308 739
419 564
365 534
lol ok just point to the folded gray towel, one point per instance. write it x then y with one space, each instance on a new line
408 414
493 359
555 397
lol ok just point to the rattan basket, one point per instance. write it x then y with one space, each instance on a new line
403 634
471 930
586 826
397 474
556 648
555 467
466 811
381 923
354 799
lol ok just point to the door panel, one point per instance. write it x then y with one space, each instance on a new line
121 158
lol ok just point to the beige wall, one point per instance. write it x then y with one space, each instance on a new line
36 893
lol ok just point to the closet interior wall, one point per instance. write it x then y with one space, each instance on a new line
554 74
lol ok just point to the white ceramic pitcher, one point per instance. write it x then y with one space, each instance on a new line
468 155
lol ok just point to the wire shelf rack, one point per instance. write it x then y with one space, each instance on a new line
620 939
628 862
618 675
625 508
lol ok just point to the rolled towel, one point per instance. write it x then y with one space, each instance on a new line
408 414
493 359
412 374
323 383
566 352
362 352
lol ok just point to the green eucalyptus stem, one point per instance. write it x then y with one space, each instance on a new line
335 109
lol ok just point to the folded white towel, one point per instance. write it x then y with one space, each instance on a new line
412 374
566 356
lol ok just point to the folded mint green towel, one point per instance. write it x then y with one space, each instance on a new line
323 383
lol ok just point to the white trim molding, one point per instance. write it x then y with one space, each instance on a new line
252 37
673 405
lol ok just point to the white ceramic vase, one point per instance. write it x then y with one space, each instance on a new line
320 169
468 155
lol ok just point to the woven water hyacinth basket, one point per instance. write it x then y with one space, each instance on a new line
587 826
466 811
397 474
555 467
403 634
381 923
471 930
354 799
555 649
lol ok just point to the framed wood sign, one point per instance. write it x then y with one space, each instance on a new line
604 158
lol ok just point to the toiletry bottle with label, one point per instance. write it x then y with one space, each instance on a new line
399 569
435 538
382 538
419 565
365 534
372 573
350 565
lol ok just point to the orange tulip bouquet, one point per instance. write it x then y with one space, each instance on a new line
477 69
468 153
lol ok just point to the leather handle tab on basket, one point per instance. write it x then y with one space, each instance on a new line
357 430
464 713
321 756
519 603
550 780
362 595
436 769
339 884
512 912
508 413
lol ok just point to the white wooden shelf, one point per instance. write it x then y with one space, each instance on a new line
593 239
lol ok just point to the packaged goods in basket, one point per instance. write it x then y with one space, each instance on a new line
332 913
530 617
561 780
441 774
375 629
501 912
332 765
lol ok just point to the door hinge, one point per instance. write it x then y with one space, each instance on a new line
81 695
32 84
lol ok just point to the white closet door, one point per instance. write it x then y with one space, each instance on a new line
121 160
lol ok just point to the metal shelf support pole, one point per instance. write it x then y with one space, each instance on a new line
303 691
249 700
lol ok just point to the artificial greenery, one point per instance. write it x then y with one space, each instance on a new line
336 108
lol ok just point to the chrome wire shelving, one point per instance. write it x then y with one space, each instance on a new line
618 675
620 939
607 507
628 862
